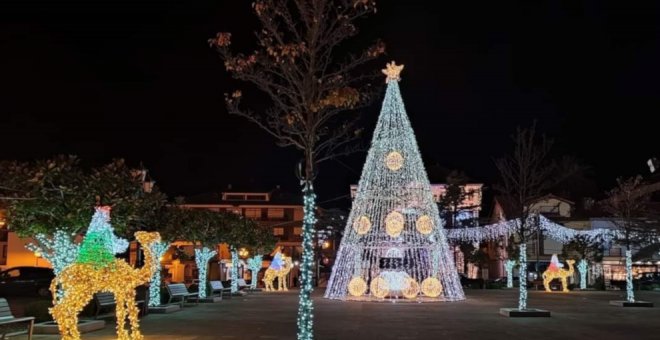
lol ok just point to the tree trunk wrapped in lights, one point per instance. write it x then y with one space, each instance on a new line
158 249
522 277
254 265
508 266
60 251
630 294
202 257
582 268
234 270
394 245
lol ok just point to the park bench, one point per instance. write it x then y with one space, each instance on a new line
242 284
106 301
7 320
218 287
179 292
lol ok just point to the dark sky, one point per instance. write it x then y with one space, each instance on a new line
136 79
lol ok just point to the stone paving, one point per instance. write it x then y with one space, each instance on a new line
576 315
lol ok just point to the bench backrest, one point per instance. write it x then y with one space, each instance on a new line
5 312
177 289
105 299
241 283
216 285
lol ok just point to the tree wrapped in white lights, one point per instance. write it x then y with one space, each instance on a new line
582 269
254 265
234 270
508 266
394 245
59 250
158 249
202 257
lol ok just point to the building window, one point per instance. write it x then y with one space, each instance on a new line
234 197
256 198
278 231
253 213
297 231
275 213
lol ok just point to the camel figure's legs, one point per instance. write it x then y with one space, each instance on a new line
120 312
564 283
67 310
133 312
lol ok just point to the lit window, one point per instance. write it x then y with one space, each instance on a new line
278 231
275 213
297 231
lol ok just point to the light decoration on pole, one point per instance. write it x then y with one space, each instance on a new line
80 280
254 265
305 319
393 238
202 257
583 269
158 249
630 294
234 270
522 259
59 250
508 266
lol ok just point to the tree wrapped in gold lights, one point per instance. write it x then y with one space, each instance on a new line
82 279
394 245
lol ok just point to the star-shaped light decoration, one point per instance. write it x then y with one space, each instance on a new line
392 71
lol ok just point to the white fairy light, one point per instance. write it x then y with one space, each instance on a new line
254 265
508 266
202 257
59 250
522 297
158 249
582 268
234 270
394 238
630 294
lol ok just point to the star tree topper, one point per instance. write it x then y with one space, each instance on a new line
392 71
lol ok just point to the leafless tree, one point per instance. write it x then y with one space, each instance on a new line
301 64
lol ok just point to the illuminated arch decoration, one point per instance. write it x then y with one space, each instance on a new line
394 223
362 225
424 224
394 161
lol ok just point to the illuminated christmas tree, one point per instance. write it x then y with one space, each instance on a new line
394 245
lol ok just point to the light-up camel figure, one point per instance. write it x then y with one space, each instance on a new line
279 268
81 280
556 272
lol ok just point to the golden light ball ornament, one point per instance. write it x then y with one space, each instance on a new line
411 289
394 161
424 224
431 287
357 286
362 225
379 287
394 223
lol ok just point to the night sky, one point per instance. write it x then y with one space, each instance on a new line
137 80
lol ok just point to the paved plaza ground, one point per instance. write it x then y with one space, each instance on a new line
576 315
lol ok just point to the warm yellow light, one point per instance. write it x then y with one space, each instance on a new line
394 223
379 287
271 274
357 286
326 244
394 161
243 252
424 224
558 273
431 287
411 290
37 254
80 281
362 225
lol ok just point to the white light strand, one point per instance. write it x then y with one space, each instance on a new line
305 319
630 294
234 270
254 265
202 257
394 255
508 266
582 268
522 277
158 249
551 229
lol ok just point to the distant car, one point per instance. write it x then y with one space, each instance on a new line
26 281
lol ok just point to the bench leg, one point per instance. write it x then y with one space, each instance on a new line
30 326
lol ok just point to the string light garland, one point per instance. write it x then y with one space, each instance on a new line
158 249
404 241
424 224
394 161
305 319
394 223
362 225
254 265
357 286
508 266
202 257
583 269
